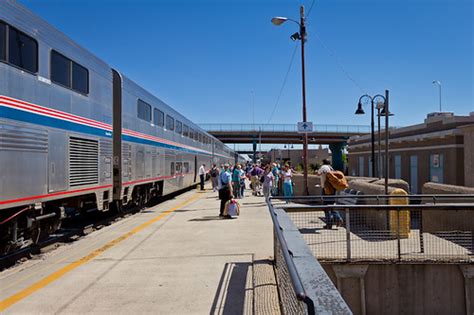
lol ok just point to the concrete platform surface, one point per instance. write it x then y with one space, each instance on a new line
178 257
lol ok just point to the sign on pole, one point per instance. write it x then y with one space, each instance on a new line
305 126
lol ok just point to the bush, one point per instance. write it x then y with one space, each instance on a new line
299 168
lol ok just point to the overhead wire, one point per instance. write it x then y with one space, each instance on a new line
339 64
332 54
284 82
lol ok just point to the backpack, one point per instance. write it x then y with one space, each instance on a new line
232 208
336 180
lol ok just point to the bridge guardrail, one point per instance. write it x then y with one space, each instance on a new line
357 129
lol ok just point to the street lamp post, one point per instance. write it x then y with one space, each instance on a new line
438 83
385 112
301 35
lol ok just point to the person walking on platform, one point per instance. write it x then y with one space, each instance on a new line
329 215
276 176
225 187
214 172
242 183
255 174
202 174
236 173
268 179
287 181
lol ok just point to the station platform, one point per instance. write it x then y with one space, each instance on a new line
178 257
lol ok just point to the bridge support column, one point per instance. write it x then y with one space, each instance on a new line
336 150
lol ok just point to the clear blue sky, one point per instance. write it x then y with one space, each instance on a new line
205 57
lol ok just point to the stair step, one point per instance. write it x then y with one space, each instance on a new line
265 290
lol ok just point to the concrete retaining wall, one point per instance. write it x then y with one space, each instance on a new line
444 220
435 188
404 288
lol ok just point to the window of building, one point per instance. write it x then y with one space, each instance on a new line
414 174
185 130
169 122
361 166
3 38
143 110
398 166
158 117
22 50
437 168
179 127
369 170
68 73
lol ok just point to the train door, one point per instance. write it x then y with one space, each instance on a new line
195 168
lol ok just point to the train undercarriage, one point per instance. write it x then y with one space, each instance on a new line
29 225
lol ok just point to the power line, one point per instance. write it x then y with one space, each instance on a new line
339 64
284 82
310 8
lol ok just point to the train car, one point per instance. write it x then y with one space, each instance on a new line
77 135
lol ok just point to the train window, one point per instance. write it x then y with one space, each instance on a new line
158 117
172 169
179 127
80 78
185 131
68 73
178 168
3 38
60 69
169 122
200 137
191 133
22 50
196 137
186 168
143 110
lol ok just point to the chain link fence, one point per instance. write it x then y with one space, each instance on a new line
374 228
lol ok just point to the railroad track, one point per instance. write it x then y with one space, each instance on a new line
63 235
77 228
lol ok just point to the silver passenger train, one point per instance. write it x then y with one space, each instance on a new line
77 135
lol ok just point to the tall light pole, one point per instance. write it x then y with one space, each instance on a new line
360 111
386 112
439 85
301 35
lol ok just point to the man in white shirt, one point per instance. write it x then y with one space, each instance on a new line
202 173
323 170
330 216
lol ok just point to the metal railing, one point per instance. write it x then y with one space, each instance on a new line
294 297
368 228
218 127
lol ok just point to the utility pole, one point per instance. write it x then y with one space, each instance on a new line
303 82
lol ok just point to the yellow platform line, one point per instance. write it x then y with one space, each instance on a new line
15 298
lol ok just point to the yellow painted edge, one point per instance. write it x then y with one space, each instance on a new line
15 298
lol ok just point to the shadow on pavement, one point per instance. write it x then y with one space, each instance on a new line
206 218
233 289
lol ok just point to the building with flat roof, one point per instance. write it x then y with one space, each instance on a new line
439 150
295 156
